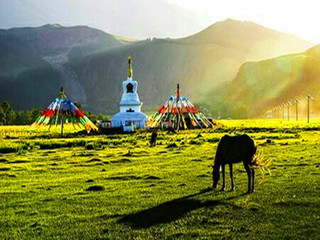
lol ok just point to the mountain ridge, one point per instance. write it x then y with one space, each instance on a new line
110 16
94 75
266 85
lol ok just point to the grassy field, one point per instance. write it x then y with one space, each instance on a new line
118 187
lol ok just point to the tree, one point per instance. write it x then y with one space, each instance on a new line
2 116
7 115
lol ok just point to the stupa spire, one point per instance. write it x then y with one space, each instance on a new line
130 72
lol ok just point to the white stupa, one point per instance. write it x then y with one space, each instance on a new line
130 115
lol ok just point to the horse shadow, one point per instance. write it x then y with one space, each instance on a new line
169 211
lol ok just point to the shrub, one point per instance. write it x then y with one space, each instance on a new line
95 188
213 140
172 145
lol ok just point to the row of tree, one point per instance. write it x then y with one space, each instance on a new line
8 116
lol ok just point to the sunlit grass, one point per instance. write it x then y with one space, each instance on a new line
271 123
158 192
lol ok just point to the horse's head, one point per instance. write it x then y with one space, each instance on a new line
215 175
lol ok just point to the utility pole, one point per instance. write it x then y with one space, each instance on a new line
274 112
309 97
308 107
308 113
297 102
288 106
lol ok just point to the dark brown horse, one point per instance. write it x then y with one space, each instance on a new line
234 150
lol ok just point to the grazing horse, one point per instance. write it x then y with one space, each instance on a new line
234 150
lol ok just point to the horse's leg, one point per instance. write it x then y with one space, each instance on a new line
248 170
223 166
231 177
252 173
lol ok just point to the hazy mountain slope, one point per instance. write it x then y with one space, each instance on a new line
33 87
199 64
260 86
248 37
132 18
158 66
53 39
92 65
26 52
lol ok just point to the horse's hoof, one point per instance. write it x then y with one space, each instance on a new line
232 189
222 189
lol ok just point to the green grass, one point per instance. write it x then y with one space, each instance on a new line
159 192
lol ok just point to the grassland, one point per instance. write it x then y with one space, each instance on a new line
118 187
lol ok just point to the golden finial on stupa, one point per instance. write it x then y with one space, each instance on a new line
130 73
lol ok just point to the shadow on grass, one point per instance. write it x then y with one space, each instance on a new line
169 211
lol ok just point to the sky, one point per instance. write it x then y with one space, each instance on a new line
164 18
298 17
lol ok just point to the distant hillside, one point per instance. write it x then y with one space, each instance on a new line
200 63
133 18
34 61
53 38
261 86
248 37
92 64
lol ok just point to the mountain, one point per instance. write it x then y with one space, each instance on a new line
200 63
135 18
265 85
247 37
51 39
34 62
92 69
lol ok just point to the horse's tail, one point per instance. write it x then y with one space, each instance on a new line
261 162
